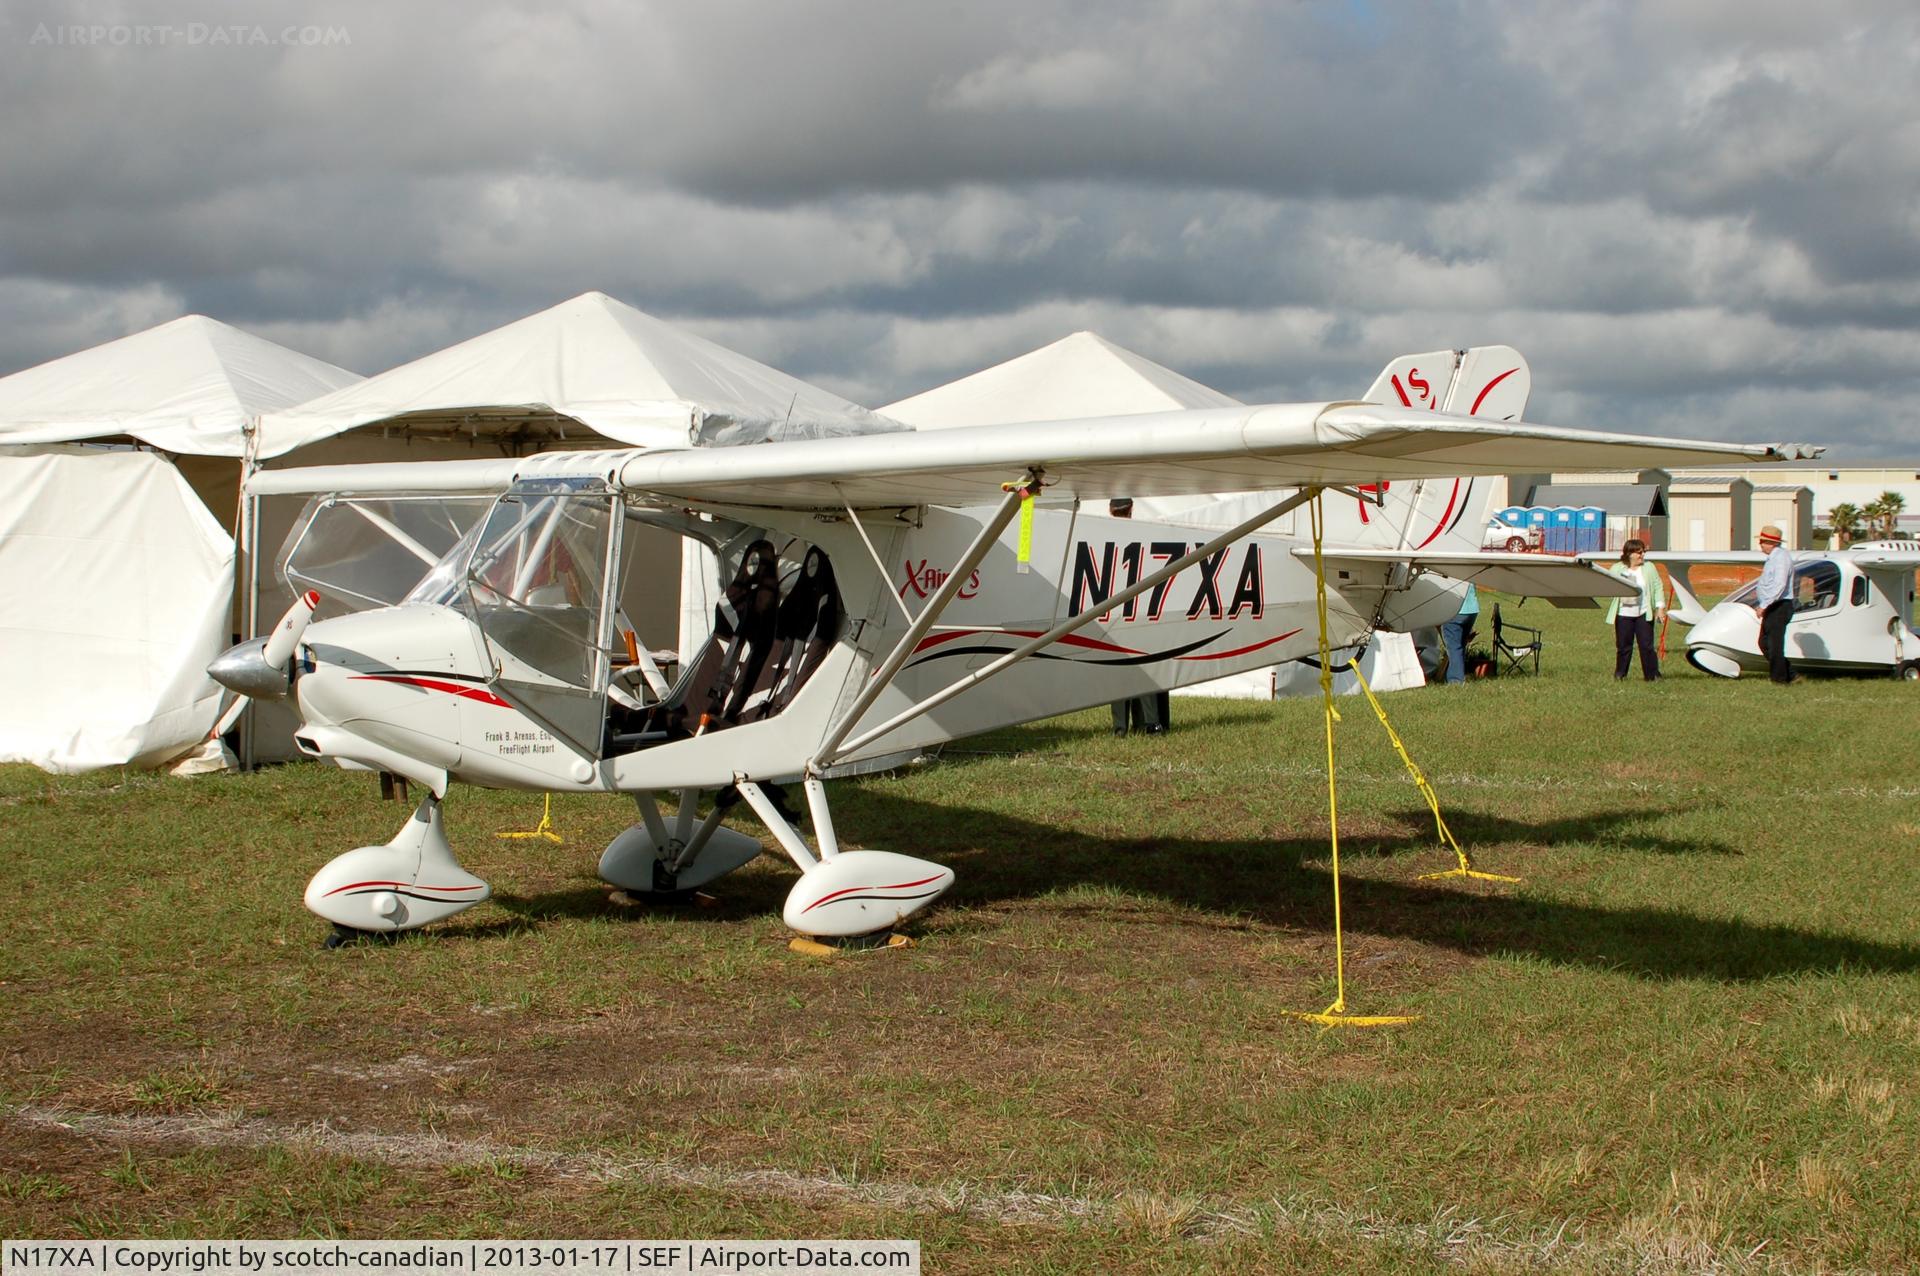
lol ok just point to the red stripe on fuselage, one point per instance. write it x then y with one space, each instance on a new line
434 684
1441 526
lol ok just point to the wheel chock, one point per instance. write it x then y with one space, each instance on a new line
858 944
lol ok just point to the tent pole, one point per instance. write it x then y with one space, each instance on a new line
250 519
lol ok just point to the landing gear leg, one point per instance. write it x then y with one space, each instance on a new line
654 862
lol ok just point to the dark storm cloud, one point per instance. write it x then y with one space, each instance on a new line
1696 215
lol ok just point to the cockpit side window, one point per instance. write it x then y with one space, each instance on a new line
1816 587
373 551
1859 591
776 617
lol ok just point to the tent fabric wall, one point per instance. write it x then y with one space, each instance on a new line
1390 663
117 582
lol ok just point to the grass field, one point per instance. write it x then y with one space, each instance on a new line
1686 1041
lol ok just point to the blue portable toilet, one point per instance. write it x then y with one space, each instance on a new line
1513 516
1590 530
1560 530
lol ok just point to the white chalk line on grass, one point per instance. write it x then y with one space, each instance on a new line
1451 1233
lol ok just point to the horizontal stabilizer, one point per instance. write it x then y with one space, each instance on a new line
1529 575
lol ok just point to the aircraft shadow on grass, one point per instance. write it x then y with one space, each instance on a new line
1285 882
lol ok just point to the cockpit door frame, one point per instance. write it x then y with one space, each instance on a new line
518 634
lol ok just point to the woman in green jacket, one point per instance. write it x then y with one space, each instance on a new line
1632 618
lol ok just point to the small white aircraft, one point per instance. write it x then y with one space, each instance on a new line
1852 612
886 593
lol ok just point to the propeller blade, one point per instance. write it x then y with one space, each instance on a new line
286 635
231 716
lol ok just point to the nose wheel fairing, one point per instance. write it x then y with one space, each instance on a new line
1717 663
409 882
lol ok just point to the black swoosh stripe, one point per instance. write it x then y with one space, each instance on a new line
1143 659
425 899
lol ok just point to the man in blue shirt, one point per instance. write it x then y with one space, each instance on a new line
1457 632
1773 604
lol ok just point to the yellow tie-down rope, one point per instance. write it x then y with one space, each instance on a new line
1465 867
544 828
1336 1014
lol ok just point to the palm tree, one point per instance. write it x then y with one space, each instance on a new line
1844 518
1873 513
1890 503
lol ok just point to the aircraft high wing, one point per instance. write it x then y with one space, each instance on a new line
883 593
1149 454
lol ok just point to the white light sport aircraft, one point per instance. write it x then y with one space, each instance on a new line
1852 612
887 592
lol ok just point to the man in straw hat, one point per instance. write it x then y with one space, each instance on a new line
1774 604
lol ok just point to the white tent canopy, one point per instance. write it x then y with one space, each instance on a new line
593 362
189 386
1083 375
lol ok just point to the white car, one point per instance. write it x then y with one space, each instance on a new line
1515 540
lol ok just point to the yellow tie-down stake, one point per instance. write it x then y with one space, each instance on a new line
543 829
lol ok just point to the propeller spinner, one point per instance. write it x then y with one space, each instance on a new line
259 666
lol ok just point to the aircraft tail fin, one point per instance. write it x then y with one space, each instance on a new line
1435 514
1486 381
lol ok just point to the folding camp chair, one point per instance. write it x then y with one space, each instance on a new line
1513 655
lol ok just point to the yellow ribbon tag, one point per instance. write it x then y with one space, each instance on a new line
1023 553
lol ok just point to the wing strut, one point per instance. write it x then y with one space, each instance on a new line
853 517
833 750
949 588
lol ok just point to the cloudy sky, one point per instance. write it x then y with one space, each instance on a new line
1694 216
